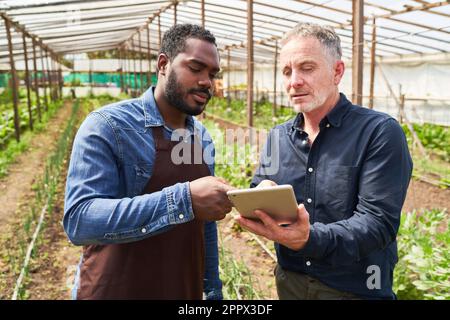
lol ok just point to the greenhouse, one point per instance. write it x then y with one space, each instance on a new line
63 61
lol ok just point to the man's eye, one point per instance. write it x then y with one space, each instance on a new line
194 69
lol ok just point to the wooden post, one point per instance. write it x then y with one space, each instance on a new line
372 63
43 72
60 81
229 79
36 81
56 85
120 55
250 63
149 53
401 108
128 53
134 65
202 8
275 60
90 77
358 51
50 82
175 4
159 31
140 65
13 81
27 81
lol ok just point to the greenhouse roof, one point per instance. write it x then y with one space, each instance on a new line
403 27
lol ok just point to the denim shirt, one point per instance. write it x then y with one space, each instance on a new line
112 160
353 181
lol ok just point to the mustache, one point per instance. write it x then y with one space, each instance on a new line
207 92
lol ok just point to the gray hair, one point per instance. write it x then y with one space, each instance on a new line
325 34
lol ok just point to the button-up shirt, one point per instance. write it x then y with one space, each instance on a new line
112 160
352 180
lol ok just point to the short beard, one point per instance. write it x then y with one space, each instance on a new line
175 93
316 103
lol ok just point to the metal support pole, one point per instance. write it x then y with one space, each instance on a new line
14 82
372 63
358 51
27 81
36 81
250 63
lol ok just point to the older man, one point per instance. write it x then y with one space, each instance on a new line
350 168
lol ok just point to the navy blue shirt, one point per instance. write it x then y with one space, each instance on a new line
353 181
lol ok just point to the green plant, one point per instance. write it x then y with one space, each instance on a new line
423 269
236 278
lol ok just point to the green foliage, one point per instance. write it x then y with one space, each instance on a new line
233 162
236 278
433 137
237 112
423 270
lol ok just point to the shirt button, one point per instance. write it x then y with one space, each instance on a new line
309 200
308 263
143 230
310 169
305 141
181 216
328 125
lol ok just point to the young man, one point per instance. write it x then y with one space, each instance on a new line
145 218
349 165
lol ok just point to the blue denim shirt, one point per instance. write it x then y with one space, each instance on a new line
353 181
112 160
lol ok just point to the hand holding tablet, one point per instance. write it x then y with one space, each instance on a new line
277 201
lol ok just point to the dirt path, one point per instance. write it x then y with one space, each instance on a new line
422 195
16 186
52 273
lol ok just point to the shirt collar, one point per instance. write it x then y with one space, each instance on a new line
152 116
334 117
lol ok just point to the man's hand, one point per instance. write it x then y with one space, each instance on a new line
266 183
294 236
209 198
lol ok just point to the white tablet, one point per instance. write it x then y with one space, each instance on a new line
278 201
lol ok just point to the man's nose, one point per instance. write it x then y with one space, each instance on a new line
205 82
296 80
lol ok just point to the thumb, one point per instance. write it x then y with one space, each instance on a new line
302 214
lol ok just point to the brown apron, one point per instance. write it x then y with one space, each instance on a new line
169 265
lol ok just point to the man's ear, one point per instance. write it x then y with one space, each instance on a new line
162 63
339 69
